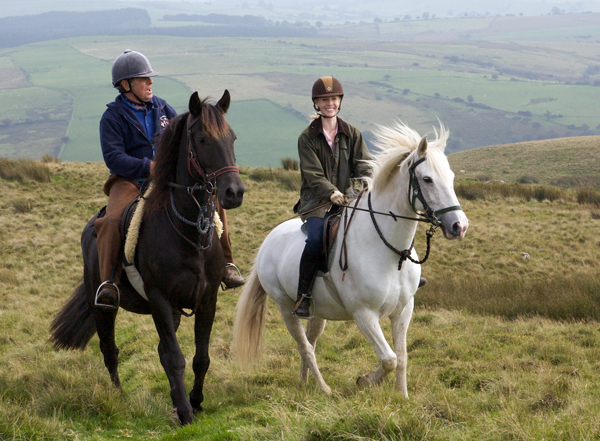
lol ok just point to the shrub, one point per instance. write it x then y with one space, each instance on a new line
527 180
289 164
23 169
491 190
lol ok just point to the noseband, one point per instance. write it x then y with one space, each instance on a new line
204 182
193 164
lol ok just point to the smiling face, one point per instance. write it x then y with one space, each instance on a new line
329 105
141 87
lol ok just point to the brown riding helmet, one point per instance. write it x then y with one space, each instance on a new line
327 86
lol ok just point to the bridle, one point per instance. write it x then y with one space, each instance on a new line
205 182
426 215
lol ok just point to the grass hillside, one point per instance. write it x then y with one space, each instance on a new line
565 161
504 342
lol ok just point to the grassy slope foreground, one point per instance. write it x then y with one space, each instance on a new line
471 376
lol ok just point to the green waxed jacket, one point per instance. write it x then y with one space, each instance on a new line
323 170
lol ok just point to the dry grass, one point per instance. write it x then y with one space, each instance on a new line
500 347
568 161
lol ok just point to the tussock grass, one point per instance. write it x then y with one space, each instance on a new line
24 169
588 195
288 177
472 190
290 164
501 346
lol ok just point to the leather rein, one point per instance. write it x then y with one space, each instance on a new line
204 182
427 215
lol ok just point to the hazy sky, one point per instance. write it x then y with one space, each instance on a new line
369 8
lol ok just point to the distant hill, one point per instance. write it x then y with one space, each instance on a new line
563 161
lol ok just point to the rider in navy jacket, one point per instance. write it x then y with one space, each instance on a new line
120 122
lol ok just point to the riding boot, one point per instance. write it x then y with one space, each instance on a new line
232 277
120 192
309 265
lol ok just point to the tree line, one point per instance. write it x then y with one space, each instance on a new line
21 30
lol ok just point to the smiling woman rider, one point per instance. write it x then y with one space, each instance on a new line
331 152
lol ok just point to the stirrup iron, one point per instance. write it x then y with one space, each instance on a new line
104 305
225 287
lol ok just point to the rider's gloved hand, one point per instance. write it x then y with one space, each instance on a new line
338 198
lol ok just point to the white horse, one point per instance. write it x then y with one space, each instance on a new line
409 176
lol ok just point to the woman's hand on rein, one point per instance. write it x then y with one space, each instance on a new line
338 198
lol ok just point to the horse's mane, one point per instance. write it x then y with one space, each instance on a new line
395 144
167 150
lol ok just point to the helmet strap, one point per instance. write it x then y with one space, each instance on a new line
141 101
323 116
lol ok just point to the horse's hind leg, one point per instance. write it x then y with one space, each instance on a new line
307 351
314 329
400 324
368 323
105 326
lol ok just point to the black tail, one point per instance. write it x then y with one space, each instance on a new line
75 324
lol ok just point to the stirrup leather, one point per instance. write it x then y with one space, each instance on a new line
103 305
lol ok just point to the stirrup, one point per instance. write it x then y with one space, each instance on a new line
311 312
104 305
225 287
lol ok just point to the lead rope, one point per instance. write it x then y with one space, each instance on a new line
405 254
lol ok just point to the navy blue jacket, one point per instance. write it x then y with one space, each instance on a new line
126 149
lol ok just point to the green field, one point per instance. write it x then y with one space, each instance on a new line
488 88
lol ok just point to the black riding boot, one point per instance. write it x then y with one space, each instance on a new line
309 264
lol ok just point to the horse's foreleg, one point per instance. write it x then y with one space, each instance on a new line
202 329
368 323
105 326
170 355
314 329
307 351
400 324
162 354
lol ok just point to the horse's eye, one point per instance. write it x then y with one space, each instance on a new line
201 139
427 179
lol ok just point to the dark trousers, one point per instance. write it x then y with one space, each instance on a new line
312 256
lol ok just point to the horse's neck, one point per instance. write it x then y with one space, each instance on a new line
400 232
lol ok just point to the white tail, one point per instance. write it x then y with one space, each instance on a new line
249 324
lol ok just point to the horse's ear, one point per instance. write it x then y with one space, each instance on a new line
224 102
422 146
195 105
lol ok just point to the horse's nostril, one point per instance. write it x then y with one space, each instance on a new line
457 227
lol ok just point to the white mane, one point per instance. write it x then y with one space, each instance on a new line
397 143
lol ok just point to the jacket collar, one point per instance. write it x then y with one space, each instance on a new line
316 127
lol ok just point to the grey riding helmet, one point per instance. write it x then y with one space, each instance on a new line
131 64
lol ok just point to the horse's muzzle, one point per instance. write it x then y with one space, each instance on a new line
232 195
454 224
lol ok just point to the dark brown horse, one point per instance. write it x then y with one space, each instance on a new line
179 256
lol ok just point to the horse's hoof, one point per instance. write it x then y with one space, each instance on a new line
363 382
182 418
